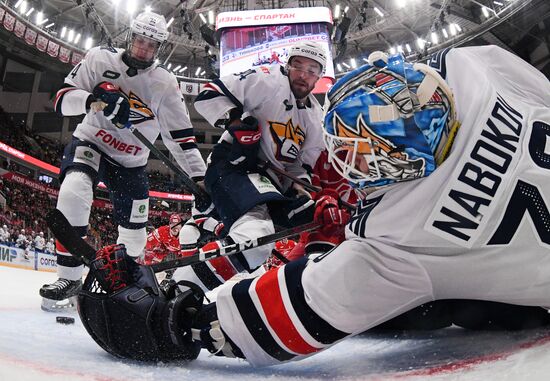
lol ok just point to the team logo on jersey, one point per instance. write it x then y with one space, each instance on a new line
287 138
139 111
391 160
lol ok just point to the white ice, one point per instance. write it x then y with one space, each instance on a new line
34 347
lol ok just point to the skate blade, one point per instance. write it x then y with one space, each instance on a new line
66 305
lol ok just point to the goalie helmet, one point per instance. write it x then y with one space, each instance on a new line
151 26
389 122
311 50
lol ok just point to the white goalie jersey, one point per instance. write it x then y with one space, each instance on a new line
291 135
156 106
476 228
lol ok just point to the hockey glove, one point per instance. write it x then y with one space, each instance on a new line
118 107
328 213
247 132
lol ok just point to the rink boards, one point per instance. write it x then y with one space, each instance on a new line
32 260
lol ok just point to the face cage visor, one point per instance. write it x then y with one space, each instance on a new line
137 62
346 154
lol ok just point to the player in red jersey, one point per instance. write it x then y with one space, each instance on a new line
163 241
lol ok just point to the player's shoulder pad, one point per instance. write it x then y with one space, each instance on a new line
98 52
439 62
162 74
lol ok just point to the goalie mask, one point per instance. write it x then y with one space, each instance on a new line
146 39
388 121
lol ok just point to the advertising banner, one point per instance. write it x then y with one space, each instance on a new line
16 257
189 88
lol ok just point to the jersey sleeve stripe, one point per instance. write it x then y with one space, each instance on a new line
223 267
206 276
236 262
183 133
187 140
269 295
59 96
188 146
319 329
254 323
228 93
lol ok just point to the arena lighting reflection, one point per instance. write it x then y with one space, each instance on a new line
34 162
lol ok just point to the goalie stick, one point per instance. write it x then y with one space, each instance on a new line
199 194
68 237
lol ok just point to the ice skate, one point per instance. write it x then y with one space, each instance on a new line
65 305
61 289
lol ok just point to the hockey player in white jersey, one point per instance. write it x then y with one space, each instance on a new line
457 163
135 90
268 114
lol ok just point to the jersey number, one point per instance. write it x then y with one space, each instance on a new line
75 70
527 197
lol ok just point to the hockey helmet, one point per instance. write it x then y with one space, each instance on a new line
389 121
311 50
151 26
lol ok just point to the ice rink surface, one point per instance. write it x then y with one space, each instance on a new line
34 347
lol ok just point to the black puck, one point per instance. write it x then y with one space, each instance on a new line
64 320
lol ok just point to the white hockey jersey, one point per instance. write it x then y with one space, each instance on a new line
156 105
291 136
495 179
477 228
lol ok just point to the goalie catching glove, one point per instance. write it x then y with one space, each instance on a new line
117 109
126 313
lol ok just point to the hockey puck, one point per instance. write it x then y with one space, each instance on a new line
64 320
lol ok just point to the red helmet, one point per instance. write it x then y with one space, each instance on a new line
175 219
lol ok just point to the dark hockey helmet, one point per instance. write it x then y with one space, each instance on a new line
152 28
389 121
133 322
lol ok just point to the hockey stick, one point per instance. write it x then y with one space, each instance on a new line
67 236
188 182
307 186
234 248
